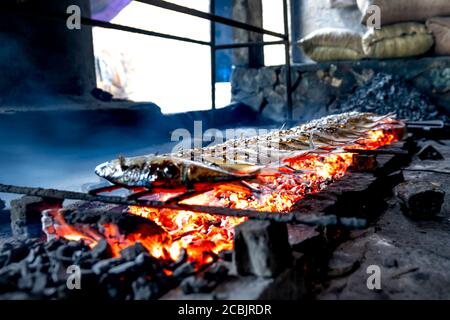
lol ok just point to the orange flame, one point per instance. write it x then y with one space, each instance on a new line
203 235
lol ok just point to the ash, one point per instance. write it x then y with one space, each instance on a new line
386 93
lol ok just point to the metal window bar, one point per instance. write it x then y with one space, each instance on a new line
212 43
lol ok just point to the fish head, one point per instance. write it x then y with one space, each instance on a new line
154 171
148 171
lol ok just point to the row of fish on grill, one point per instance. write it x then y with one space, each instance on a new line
243 158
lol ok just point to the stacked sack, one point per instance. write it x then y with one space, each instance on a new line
405 31
331 44
440 28
400 40
408 28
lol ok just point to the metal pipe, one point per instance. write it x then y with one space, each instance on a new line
212 10
287 49
247 44
211 17
108 25
104 24
292 217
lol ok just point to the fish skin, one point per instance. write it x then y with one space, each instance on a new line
163 171
234 159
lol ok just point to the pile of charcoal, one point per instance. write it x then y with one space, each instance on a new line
37 269
386 93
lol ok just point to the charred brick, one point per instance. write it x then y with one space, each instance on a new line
261 248
26 212
420 200
429 152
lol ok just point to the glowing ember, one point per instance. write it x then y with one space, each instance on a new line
203 235
278 194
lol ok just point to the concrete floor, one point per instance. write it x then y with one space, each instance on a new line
413 256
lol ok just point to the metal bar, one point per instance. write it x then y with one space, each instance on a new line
212 10
287 49
291 217
378 152
211 17
247 44
106 25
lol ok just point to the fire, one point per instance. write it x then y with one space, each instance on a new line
203 235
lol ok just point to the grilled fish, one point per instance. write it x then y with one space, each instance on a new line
240 159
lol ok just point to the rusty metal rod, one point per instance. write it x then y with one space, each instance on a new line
291 217
378 151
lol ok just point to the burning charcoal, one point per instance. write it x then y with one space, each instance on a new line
185 270
429 152
420 199
49 292
217 272
131 252
18 295
54 244
105 265
39 283
65 253
4 258
31 256
181 259
41 263
58 272
126 268
145 261
261 248
143 289
26 212
196 284
88 277
226 255
206 281
7 246
117 286
101 251
18 252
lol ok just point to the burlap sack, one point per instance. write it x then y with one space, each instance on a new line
397 41
440 28
394 11
331 44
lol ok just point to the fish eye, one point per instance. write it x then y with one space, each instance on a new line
170 171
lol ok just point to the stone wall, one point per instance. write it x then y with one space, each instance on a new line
317 86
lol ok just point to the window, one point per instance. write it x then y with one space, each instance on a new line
175 75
